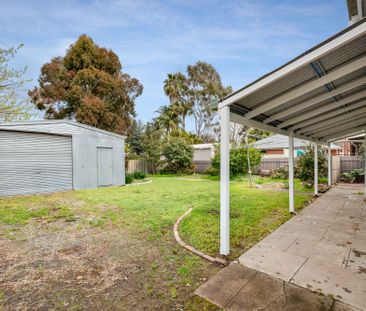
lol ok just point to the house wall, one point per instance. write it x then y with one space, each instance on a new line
274 151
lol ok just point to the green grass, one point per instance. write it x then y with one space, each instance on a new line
152 209
149 211
20 210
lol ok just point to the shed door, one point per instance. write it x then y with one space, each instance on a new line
105 166
34 163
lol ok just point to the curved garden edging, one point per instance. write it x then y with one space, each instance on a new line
140 183
191 248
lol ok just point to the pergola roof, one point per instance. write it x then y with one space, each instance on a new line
320 95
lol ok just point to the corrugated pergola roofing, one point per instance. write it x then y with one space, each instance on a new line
319 96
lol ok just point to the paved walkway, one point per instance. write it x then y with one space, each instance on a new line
322 249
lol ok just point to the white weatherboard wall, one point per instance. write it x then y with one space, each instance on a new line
84 144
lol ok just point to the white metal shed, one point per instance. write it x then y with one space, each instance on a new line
58 155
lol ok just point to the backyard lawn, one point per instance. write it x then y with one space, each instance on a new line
113 248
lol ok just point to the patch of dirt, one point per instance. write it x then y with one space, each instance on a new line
58 266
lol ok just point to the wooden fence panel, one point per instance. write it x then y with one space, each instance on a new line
201 166
138 166
272 163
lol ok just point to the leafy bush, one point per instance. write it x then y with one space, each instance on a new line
304 168
239 160
178 156
212 171
129 178
323 180
139 175
355 176
280 173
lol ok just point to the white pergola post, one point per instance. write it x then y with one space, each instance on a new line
315 169
330 168
224 180
291 184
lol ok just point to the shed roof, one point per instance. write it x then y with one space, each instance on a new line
278 141
320 95
45 126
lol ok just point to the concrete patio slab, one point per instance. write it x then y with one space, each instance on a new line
357 261
225 284
332 280
271 261
321 250
262 292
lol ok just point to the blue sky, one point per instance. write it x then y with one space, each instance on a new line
242 39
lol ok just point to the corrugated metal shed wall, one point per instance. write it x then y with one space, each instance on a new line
34 163
85 141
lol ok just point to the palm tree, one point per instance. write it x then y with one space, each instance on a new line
176 87
168 118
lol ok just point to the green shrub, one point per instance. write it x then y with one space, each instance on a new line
178 156
280 173
129 178
323 180
212 171
304 168
239 160
355 176
139 175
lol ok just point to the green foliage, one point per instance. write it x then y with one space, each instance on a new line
304 168
11 80
355 176
136 175
134 139
87 84
280 173
211 171
192 94
151 142
178 156
239 160
139 175
128 179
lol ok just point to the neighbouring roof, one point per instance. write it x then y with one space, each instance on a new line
318 96
278 141
52 127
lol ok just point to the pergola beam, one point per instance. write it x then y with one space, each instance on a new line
338 138
331 121
316 112
308 87
317 120
316 100
340 127
336 135
265 127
